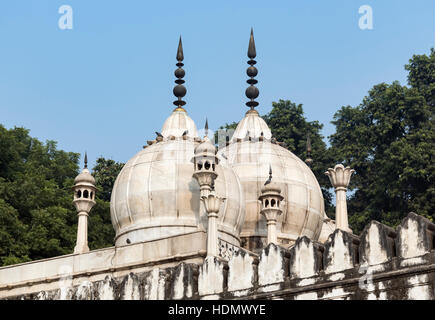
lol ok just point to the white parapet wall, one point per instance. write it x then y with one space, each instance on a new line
50 274
381 263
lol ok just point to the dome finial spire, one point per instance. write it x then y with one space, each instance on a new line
252 91
251 49
308 160
206 126
270 176
86 160
179 89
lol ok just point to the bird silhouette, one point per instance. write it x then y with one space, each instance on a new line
185 133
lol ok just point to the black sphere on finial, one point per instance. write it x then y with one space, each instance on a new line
179 89
252 91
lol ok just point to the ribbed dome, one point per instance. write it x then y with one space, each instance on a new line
84 177
206 148
303 208
155 195
177 123
252 124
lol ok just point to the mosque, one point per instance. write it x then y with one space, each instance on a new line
244 220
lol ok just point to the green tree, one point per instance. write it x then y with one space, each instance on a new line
35 194
389 139
37 217
101 232
13 236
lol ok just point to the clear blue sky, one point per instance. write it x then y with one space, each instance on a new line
106 85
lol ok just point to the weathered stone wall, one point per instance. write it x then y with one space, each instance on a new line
382 263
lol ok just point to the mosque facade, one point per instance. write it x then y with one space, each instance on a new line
243 221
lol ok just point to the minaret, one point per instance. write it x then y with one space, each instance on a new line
252 91
205 162
271 200
179 89
340 178
84 199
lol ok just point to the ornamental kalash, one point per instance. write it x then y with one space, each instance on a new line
243 221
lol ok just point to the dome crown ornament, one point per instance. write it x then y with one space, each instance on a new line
179 90
309 160
252 91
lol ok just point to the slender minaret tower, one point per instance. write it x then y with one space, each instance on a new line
252 91
179 90
205 162
340 178
271 201
84 199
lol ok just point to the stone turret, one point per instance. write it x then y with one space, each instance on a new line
271 200
84 199
205 162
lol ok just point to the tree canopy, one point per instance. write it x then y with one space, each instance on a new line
389 139
37 217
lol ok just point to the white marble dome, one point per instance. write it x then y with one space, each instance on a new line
155 195
303 207
177 123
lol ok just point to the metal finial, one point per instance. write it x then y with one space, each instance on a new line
206 127
270 176
86 159
308 160
251 49
252 91
179 89
180 55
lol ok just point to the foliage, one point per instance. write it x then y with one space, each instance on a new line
389 139
101 233
37 217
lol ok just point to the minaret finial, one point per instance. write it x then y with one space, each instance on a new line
252 91
206 126
86 160
270 176
308 160
179 89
